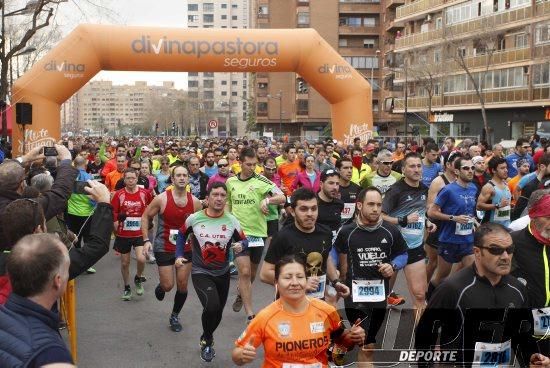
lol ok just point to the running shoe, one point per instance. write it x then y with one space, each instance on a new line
233 269
143 279
91 271
159 293
208 353
250 318
139 286
238 304
127 294
394 300
175 324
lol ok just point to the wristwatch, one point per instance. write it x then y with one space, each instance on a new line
394 267
451 218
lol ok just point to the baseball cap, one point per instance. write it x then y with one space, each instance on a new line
477 159
114 143
145 149
329 172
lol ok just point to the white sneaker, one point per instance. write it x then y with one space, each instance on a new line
152 258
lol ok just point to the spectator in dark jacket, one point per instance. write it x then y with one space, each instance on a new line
38 266
198 181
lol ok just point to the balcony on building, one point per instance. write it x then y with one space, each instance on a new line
359 7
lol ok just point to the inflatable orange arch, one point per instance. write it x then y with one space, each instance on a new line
91 48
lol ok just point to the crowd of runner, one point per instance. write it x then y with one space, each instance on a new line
327 225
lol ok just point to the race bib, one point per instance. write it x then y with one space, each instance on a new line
492 355
502 214
464 229
254 242
132 224
173 237
368 291
414 228
320 292
96 176
348 211
541 317
298 365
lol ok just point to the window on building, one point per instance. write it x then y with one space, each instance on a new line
461 51
234 93
521 41
192 84
263 10
192 7
234 6
542 33
224 83
437 56
303 18
193 94
234 17
208 7
192 18
541 74
208 95
208 18
224 16
208 83
234 83
369 43
262 106
302 107
224 93
362 62
223 6
369 22
343 42
439 23
208 74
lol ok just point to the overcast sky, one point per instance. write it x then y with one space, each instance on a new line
171 13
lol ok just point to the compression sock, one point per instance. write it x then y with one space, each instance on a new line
179 301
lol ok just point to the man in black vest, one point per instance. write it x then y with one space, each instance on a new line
38 266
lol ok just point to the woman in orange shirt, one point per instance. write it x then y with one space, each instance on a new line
294 329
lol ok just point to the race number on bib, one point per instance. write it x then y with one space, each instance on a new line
132 224
541 317
464 229
96 176
414 228
492 355
173 237
502 214
320 292
254 242
348 211
298 365
368 291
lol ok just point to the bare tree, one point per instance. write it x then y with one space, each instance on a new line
485 44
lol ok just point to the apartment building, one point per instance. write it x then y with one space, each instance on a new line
220 96
358 29
503 44
100 106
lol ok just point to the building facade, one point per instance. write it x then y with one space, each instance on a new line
220 96
100 106
359 30
453 52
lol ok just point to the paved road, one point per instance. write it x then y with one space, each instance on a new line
113 333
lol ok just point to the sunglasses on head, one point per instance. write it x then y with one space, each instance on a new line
497 250
468 168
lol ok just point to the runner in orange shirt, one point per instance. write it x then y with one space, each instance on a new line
114 176
294 330
289 169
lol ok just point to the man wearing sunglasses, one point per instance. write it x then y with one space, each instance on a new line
384 177
480 310
522 145
455 207
222 174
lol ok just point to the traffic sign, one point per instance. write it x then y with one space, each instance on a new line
213 124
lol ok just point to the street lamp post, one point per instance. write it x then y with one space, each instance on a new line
279 96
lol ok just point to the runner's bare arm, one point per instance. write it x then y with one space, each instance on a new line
150 212
435 187
197 204
485 196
